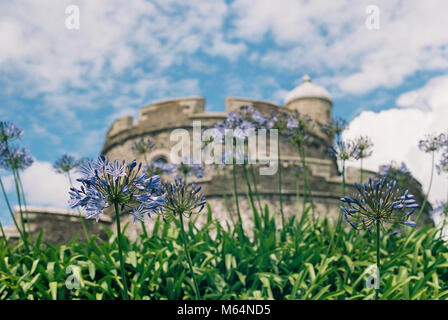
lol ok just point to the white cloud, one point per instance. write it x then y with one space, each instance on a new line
331 35
396 132
43 187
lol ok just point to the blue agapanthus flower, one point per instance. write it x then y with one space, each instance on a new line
241 123
181 198
14 158
334 127
105 184
392 169
159 167
9 131
378 201
442 166
67 163
432 142
187 168
344 150
364 147
142 146
299 127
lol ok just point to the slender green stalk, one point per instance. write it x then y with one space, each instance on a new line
19 200
235 194
307 184
279 164
13 217
251 198
378 225
304 212
360 173
3 231
120 253
226 199
22 190
187 253
342 195
429 189
252 170
84 227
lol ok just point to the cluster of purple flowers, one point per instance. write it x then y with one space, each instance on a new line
9 131
393 169
187 168
12 157
15 158
378 201
121 184
344 150
240 122
159 167
142 146
299 126
181 198
334 127
67 163
364 145
433 142
442 166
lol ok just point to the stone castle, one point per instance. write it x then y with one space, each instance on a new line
156 121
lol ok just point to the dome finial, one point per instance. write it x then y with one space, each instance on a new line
306 78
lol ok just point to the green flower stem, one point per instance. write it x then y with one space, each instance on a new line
84 227
235 194
22 190
429 189
251 198
307 184
187 253
226 199
120 253
342 195
13 217
3 231
279 163
360 173
378 225
252 171
19 200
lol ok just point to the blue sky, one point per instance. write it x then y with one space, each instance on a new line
65 87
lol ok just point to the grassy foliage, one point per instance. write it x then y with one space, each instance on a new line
304 266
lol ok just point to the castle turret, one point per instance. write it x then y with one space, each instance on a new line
310 99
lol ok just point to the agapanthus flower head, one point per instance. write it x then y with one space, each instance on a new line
105 184
159 167
392 170
442 166
142 146
344 150
365 146
334 127
278 120
241 123
432 142
66 163
9 131
253 116
187 168
15 158
299 126
378 201
181 198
